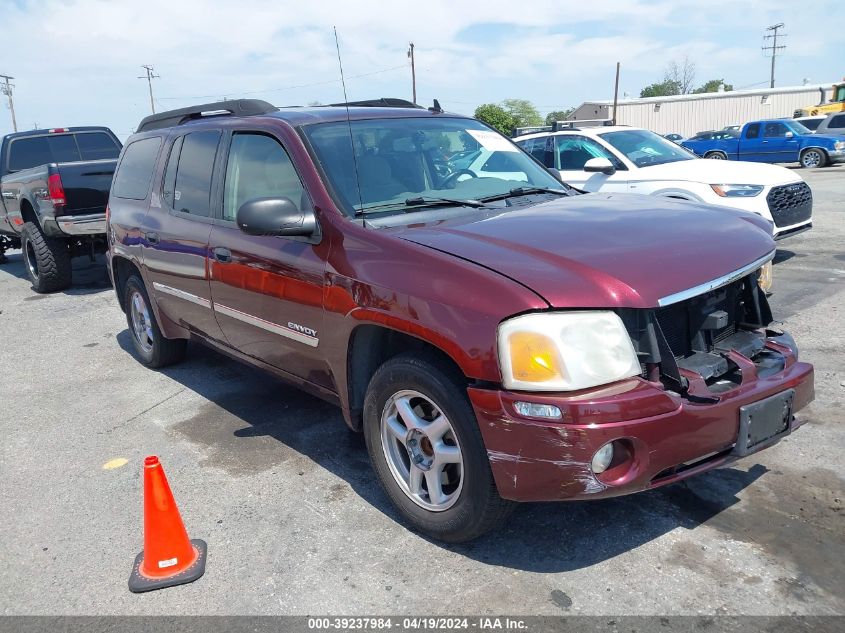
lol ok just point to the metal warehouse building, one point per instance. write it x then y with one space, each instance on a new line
688 114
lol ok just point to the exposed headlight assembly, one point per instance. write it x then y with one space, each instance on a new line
737 191
565 351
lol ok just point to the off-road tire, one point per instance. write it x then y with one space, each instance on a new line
164 351
51 257
479 508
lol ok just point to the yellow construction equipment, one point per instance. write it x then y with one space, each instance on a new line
835 104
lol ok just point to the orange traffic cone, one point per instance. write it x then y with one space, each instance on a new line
169 557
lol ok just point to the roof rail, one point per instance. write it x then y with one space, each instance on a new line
235 107
381 102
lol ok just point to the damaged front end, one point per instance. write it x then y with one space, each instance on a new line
717 383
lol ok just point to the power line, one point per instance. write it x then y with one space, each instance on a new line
7 89
255 92
774 47
149 77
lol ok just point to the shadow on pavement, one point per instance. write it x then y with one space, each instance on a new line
88 277
549 537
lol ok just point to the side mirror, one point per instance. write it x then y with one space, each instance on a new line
600 165
275 216
555 174
789 135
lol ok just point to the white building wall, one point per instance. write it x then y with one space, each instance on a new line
688 114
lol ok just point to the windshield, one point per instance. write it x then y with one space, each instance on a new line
797 128
411 158
644 148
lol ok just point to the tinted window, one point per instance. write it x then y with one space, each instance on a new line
837 121
135 171
258 167
536 147
40 150
775 130
97 146
753 131
170 172
192 193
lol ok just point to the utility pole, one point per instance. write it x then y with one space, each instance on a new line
149 77
6 89
774 47
413 72
616 93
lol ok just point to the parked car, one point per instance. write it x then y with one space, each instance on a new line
735 127
675 138
774 141
55 186
626 159
832 124
811 122
495 339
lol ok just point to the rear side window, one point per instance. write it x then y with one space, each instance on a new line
192 192
97 146
25 153
135 172
837 121
753 131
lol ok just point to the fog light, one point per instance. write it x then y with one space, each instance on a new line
534 410
602 458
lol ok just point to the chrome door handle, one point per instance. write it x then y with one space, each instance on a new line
152 238
222 255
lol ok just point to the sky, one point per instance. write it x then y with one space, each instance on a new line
77 62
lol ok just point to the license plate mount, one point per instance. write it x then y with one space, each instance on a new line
764 422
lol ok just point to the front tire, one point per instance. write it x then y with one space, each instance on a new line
427 451
813 158
716 156
47 260
152 349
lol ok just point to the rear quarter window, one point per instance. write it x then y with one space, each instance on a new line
838 121
135 171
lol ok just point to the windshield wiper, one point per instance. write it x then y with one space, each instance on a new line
524 191
412 204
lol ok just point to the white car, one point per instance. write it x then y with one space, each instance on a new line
620 158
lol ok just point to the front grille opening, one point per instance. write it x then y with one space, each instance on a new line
699 332
790 204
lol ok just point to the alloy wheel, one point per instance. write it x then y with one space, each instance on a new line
811 158
422 450
142 325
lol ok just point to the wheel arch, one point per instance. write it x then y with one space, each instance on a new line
370 346
28 213
122 270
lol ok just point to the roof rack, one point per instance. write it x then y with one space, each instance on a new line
235 107
381 102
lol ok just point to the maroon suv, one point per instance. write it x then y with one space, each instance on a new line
496 335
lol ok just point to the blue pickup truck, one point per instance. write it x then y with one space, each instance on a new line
773 141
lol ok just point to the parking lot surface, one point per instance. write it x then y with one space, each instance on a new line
296 523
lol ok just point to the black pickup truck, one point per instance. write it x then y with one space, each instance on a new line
55 187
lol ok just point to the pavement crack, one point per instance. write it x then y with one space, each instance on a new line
145 411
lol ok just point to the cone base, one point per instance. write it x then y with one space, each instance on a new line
139 583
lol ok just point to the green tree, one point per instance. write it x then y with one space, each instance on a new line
496 117
665 88
713 86
557 115
523 112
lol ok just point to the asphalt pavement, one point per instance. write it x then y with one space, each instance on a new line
296 523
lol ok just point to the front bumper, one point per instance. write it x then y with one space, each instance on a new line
836 156
670 436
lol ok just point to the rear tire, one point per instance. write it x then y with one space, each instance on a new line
452 458
813 158
46 259
151 347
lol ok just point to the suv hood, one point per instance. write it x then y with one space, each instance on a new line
718 172
603 250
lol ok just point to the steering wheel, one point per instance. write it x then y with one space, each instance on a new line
451 180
